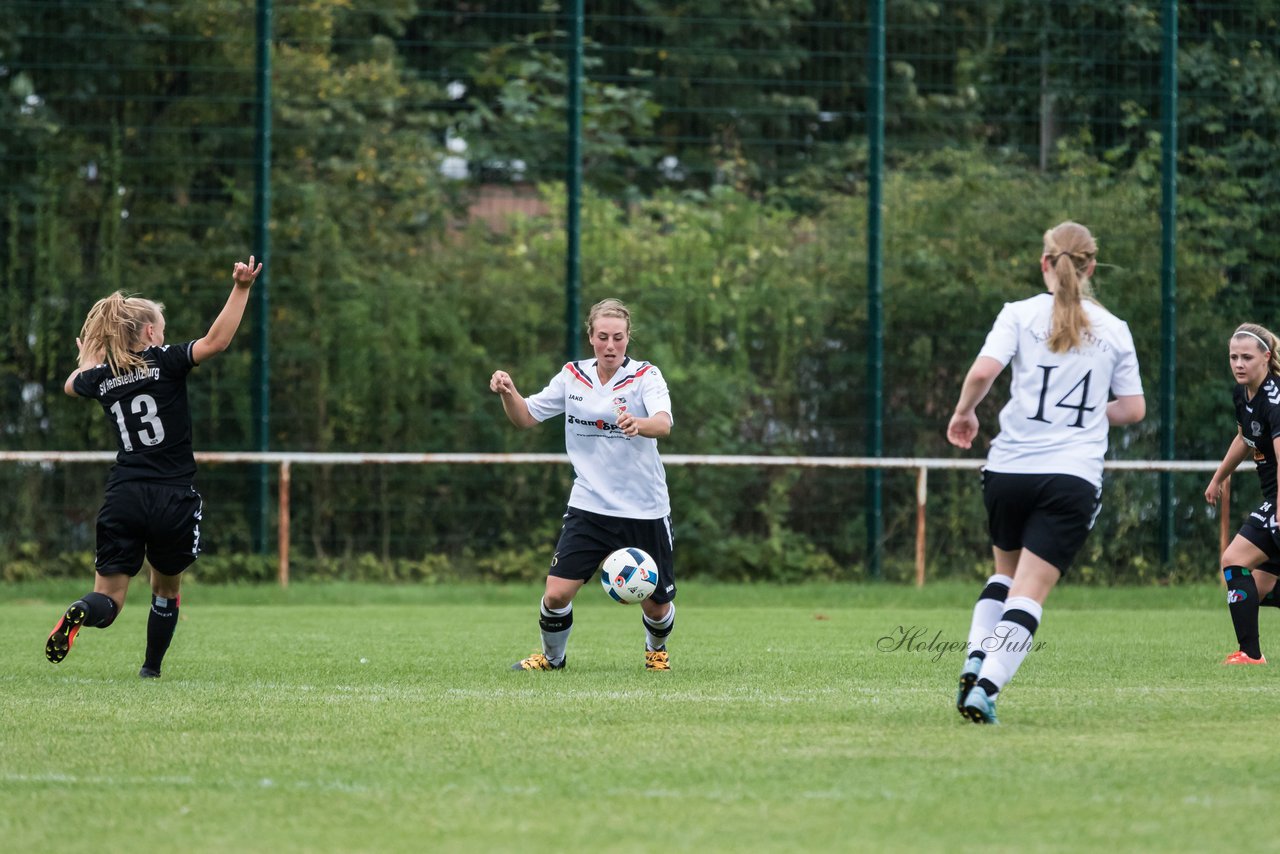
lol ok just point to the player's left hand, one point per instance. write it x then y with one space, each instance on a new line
244 274
962 430
629 424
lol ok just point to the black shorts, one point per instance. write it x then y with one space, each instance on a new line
154 520
586 539
1048 514
1259 528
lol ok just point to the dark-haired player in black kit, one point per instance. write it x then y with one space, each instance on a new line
151 508
1248 564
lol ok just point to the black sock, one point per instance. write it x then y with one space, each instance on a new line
161 623
1242 600
1271 599
100 609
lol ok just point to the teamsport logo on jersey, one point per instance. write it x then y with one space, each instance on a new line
599 424
1234 596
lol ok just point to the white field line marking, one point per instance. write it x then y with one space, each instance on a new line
160 780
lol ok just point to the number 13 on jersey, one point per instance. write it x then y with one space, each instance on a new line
152 429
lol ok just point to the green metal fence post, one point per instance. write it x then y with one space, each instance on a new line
573 186
262 248
1168 268
875 296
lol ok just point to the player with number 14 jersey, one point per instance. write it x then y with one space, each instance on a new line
1056 418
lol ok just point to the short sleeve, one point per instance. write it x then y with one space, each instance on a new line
1126 380
1002 340
176 360
654 393
1272 391
86 382
549 402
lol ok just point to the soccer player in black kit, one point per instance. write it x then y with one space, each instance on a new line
151 508
1248 564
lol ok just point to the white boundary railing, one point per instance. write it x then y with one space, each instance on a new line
921 465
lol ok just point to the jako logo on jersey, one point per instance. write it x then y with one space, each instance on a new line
1234 596
575 397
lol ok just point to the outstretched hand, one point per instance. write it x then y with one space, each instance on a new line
244 274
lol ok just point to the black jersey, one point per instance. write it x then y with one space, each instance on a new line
1259 421
149 416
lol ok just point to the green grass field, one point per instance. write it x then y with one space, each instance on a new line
362 718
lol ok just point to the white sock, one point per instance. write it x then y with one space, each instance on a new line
655 634
1010 642
987 611
554 642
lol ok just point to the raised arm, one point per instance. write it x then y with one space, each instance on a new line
512 402
224 327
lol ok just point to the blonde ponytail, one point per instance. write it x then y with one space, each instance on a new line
116 327
1070 248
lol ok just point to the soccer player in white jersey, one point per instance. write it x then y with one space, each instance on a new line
615 410
1042 483
1249 561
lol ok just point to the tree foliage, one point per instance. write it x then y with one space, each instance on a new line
725 161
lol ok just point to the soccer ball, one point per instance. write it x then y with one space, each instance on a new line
629 575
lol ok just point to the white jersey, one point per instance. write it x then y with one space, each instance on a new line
1056 419
613 475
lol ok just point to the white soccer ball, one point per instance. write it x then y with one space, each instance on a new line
629 575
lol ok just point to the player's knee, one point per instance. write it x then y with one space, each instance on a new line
102 609
556 603
166 586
